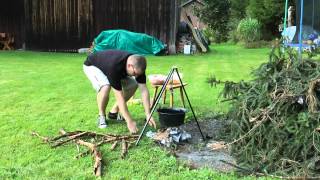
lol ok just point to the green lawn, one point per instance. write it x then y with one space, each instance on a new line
48 91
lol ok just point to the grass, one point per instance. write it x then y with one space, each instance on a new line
48 91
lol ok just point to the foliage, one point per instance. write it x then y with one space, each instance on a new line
233 34
224 16
276 118
313 53
269 13
238 9
249 31
216 14
237 12
209 34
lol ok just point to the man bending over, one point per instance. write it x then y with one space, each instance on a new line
123 73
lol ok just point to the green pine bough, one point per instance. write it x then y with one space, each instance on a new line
275 118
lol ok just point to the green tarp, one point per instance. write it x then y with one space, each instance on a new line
136 43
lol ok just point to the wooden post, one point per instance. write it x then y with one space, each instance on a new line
290 16
174 21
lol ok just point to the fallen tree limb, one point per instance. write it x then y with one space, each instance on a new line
70 138
66 134
114 145
44 139
124 149
82 154
93 148
91 141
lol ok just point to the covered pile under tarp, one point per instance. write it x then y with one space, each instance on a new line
136 43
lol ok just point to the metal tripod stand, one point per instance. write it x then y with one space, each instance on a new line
157 100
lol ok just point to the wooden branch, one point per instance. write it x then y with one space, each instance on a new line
114 145
124 149
99 139
44 139
97 168
66 134
130 144
70 138
123 137
82 154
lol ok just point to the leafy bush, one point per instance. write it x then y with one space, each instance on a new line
237 12
249 31
259 44
233 34
209 34
269 13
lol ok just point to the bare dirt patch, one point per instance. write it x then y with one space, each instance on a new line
198 153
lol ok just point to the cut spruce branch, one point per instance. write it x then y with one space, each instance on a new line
92 141
276 116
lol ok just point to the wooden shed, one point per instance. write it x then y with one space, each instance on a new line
12 20
187 9
62 25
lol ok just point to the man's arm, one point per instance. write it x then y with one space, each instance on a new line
146 103
124 111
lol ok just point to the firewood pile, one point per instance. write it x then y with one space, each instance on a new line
184 39
92 141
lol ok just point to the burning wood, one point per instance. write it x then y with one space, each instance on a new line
82 138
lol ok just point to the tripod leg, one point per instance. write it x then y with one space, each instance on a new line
154 105
155 94
171 99
195 118
164 96
182 97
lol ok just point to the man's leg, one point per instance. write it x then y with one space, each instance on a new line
102 99
101 84
128 93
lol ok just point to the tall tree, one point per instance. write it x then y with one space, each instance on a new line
216 14
238 9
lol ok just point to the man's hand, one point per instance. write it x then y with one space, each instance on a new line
124 111
132 127
152 123
146 103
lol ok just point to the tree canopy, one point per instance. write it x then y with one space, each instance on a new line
223 16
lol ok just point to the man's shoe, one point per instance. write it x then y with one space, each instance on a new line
120 118
115 116
102 122
112 115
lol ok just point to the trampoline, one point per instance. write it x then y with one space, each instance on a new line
307 30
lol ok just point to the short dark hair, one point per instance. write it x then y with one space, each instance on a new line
139 62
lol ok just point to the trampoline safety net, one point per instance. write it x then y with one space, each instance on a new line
311 19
